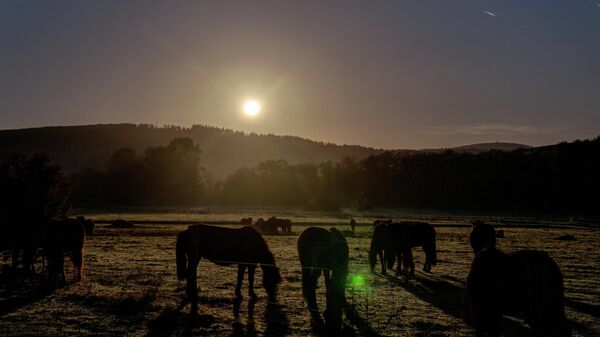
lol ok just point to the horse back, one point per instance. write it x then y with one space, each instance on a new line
314 247
65 234
489 280
228 245
538 269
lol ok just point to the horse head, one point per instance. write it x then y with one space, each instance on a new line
271 277
482 236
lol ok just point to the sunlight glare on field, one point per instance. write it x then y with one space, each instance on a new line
251 108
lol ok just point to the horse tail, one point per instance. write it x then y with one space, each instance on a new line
434 250
373 253
78 262
180 251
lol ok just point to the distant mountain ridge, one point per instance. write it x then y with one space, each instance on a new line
482 147
223 150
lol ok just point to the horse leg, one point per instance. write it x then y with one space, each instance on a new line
240 279
383 262
61 267
28 254
191 288
251 271
399 260
326 274
427 264
408 261
15 257
77 259
309 285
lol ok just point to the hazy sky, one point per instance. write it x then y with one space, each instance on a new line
394 74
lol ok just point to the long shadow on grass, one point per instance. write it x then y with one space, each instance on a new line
586 308
239 330
19 290
174 321
276 320
363 326
448 297
442 294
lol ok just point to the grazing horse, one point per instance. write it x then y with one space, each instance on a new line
526 282
381 242
482 236
65 236
272 225
225 246
410 234
396 240
324 251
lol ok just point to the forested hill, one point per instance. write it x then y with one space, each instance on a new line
223 150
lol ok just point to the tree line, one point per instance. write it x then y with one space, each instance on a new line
551 179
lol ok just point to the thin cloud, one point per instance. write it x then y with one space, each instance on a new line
490 130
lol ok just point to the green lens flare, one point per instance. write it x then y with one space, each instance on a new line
357 281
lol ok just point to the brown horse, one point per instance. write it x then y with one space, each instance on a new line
324 252
396 240
66 236
225 246
272 226
410 234
525 282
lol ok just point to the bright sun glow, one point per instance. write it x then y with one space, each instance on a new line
251 108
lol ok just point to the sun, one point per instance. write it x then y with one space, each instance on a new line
251 108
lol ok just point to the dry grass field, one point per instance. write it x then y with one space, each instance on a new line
130 289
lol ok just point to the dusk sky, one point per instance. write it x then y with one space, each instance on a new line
392 74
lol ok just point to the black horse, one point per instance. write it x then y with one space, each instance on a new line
225 246
482 236
526 282
381 242
397 240
65 236
324 252
51 239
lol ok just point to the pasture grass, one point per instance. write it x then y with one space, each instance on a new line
130 288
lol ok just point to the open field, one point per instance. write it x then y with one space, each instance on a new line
130 288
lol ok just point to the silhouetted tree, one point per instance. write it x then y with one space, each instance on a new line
33 190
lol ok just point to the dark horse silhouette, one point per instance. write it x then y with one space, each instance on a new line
225 246
54 238
65 236
381 242
524 282
88 225
397 239
482 236
324 251
272 225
